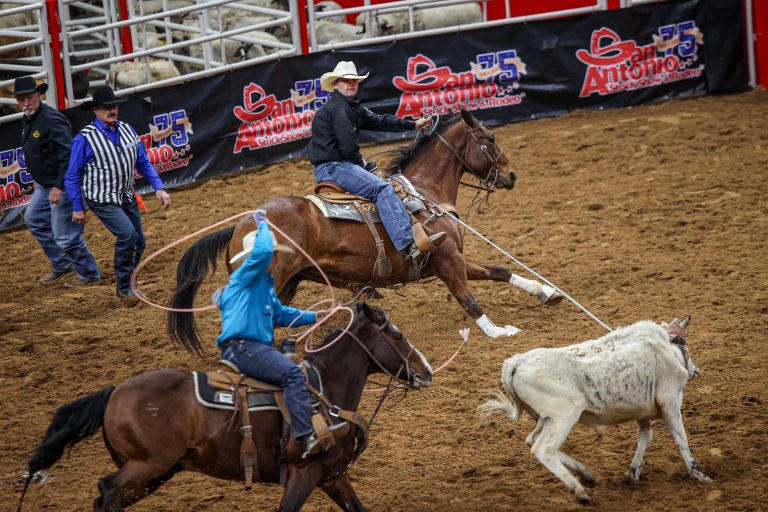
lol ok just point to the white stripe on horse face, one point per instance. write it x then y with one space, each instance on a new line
424 360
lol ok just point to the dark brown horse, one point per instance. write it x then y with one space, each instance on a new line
346 250
154 427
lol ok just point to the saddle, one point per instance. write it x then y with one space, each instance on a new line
228 388
336 203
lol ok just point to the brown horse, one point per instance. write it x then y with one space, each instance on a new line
346 251
154 427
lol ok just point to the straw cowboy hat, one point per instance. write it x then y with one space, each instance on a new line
27 84
103 95
248 247
344 69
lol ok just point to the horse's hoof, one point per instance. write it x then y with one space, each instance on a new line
509 330
549 296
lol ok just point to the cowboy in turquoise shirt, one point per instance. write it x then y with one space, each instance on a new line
250 310
249 305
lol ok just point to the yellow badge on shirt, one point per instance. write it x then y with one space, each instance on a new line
36 134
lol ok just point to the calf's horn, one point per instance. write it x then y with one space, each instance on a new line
684 323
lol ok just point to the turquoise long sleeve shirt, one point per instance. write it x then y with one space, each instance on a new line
249 305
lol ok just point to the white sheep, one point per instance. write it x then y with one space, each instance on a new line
423 19
329 5
329 32
125 75
15 22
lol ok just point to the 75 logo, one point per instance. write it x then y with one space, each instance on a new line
688 35
505 60
306 88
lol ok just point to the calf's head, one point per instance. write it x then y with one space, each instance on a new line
676 331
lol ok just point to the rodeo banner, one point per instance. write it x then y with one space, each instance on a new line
262 114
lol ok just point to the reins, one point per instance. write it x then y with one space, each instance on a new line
490 180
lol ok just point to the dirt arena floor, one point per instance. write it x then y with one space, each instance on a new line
641 213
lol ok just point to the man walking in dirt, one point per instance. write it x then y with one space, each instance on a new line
101 176
46 136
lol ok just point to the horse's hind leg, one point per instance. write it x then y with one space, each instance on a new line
340 490
485 271
128 485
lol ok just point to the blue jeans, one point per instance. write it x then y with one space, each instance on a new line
266 363
61 239
357 180
123 221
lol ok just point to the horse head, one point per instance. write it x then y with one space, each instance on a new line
389 351
483 158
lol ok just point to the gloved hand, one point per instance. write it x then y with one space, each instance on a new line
370 166
260 215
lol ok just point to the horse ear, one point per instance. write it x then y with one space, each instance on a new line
364 309
468 118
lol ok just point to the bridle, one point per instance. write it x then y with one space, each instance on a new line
488 183
395 380
405 366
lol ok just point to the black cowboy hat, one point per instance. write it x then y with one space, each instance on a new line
103 95
27 84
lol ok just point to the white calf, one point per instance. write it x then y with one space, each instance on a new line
635 373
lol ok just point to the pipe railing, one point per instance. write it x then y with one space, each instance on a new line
108 27
458 28
30 36
205 36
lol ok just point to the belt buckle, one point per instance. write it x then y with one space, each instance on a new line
334 411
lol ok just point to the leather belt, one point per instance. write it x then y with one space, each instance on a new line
232 341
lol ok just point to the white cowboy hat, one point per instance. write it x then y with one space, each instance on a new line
248 247
344 69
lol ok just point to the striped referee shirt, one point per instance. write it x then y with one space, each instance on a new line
102 163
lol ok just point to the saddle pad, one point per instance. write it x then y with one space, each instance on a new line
217 398
347 211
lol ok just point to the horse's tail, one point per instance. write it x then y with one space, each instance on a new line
510 406
71 423
199 259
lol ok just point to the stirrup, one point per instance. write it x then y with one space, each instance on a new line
414 253
313 445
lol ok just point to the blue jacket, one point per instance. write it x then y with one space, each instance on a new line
249 305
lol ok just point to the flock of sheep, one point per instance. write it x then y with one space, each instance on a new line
236 32
250 43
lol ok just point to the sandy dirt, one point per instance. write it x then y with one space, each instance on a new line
641 213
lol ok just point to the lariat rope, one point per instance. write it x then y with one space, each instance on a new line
307 334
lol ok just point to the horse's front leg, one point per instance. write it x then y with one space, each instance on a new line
340 490
450 268
487 272
301 483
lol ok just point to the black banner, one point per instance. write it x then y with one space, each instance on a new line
263 113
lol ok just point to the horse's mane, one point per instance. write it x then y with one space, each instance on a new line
402 156
336 332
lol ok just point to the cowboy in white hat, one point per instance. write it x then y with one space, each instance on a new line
250 310
335 153
46 136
